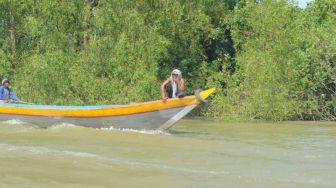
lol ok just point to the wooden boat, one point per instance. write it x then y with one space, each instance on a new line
154 115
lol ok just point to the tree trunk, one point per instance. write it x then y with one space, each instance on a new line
91 4
13 40
13 35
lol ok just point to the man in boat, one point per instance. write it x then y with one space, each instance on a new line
6 94
173 86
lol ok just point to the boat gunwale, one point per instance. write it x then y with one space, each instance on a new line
105 110
88 107
93 117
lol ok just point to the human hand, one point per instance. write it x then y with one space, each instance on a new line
164 99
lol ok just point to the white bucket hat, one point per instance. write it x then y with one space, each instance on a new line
178 72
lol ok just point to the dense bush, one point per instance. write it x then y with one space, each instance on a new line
269 59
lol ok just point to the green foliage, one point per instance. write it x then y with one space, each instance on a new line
268 59
4 65
285 63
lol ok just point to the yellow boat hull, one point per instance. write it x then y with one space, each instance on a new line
149 115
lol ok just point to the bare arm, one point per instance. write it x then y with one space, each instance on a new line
163 91
180 85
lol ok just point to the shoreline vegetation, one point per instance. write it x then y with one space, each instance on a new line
269 60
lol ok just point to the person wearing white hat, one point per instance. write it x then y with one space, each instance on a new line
173 86
6 94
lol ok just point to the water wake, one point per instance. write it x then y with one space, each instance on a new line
38 150
67 125
44 150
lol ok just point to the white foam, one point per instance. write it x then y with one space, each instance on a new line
143 131
14 122
80 154
311 156
62 125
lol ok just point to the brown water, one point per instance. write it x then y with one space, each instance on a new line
195 153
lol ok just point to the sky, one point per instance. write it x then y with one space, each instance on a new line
303 3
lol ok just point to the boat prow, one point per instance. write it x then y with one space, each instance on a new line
140 116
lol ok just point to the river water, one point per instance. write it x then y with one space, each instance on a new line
195 153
